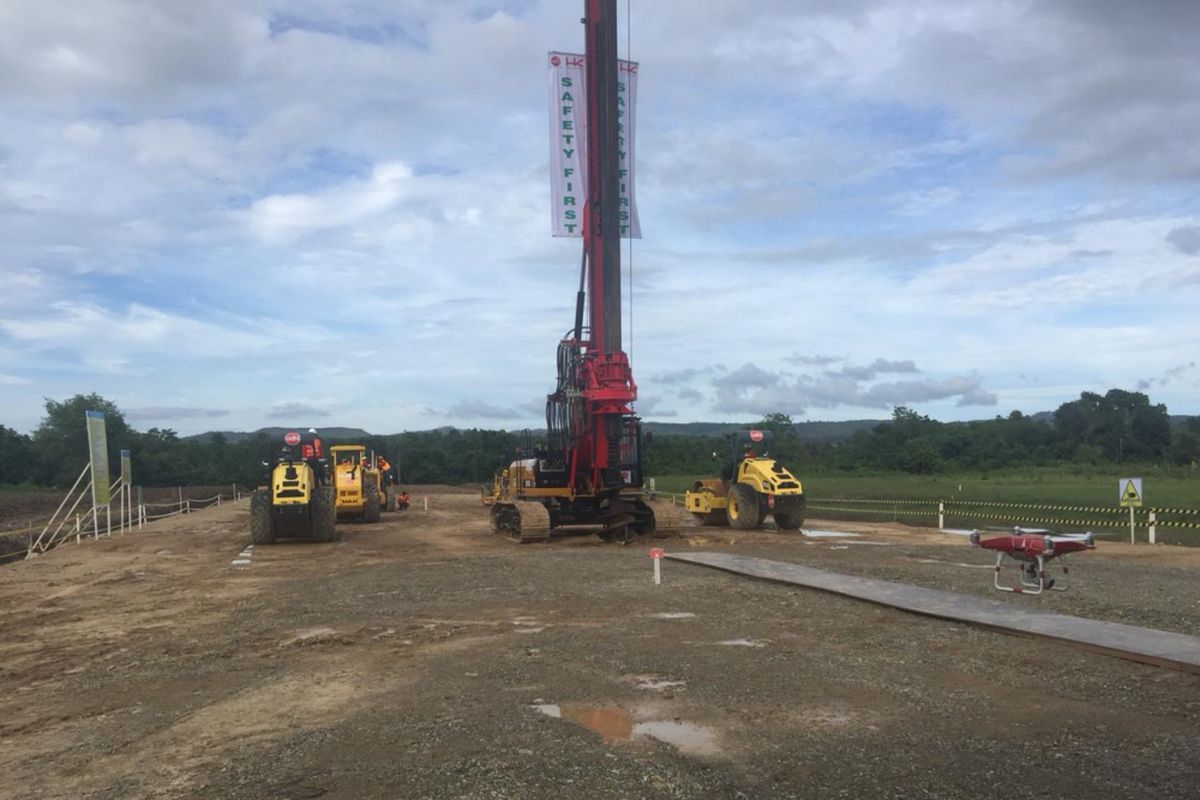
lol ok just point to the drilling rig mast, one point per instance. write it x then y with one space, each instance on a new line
589 473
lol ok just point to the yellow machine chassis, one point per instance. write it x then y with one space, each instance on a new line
515 483
293 490
349 480
762 487
292 505
520 509
765 476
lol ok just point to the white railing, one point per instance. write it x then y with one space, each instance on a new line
1057 515
935 512
66 523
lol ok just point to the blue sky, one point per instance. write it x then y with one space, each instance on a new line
236 214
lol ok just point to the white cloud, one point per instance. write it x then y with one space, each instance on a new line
1186 239
140 330
280 218
156 414
751 389
925 201
184 187
292 411
476 409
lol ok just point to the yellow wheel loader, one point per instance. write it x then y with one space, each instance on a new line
295 503
752 487
356 483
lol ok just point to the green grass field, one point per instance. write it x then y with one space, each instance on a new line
1058 487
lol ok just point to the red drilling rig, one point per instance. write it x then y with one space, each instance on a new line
589 471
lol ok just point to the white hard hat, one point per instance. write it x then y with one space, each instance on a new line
312 430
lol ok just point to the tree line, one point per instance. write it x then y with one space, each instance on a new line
1117 427
1114 428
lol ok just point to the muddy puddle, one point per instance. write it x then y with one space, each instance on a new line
617 725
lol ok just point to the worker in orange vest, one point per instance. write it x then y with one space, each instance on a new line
313 454
385 469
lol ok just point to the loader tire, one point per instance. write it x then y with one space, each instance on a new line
743 507
391 501
262 529
324 515
370 502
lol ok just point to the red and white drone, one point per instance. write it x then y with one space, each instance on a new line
1031 548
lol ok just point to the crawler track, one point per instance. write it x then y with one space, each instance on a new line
669 519
521 520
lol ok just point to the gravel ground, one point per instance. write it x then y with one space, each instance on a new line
421 657
1152 586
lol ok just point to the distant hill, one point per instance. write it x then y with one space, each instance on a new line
278 433
812 431
816 431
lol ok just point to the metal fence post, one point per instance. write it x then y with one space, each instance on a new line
941 515
1152 525
187 508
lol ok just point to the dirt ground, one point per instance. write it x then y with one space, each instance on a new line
21 508
422 657
23 512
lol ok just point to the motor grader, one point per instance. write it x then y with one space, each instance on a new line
751 488
357 484
296 502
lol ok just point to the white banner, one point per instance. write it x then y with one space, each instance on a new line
568 144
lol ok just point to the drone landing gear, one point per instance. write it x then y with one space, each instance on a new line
1032 575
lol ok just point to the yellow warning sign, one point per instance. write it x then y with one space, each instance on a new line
1129 491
